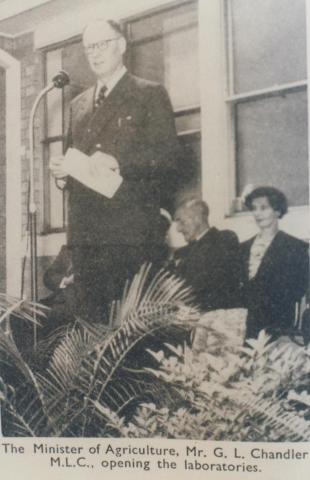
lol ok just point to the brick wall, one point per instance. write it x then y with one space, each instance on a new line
22 49
31 85
32 82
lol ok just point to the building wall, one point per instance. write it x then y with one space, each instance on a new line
7 45
22 49
31 85
2 184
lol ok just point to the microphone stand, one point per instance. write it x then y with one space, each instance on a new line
59 81
33 213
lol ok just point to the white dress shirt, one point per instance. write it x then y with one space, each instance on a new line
111 82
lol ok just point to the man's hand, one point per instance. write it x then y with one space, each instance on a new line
56 167
67 281
101 160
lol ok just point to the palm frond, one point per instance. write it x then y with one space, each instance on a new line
21 308
87 364
9 352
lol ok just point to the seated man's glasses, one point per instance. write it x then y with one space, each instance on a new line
101 46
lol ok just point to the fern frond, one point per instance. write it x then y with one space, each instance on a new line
288 424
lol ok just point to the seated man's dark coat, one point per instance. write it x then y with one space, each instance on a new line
210 266
60 268
62 300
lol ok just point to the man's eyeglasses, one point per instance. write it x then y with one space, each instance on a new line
101 46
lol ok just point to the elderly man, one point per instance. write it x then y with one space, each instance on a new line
210 261
129 120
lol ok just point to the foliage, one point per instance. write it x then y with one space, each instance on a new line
109 380
90 369
252 396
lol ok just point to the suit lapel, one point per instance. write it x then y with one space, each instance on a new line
110 106
84 111
105 112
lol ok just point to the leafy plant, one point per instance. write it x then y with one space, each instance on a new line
91 367
112 381
251 396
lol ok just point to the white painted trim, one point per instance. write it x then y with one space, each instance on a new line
14 7
214 111
268 91
19 34
295 222
188 132
7 35
61 28
13 173
188 107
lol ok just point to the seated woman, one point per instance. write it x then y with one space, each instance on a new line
275 267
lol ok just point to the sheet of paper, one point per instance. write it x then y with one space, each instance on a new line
99 172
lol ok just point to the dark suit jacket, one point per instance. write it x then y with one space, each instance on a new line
280 282
210 266
59 269
135 124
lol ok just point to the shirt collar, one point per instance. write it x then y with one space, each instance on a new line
202 234
111 82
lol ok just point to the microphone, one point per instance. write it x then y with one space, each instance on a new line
61 79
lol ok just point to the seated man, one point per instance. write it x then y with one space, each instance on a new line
59 279
210 261
59 275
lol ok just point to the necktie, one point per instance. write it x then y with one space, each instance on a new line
101 96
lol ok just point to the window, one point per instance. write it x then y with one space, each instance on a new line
69 57
267 95
54 198
163 47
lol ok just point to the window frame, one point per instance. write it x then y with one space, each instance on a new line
232 100
48 140
218 129
127 23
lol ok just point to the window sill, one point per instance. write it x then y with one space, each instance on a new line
51 231
49 243
245 213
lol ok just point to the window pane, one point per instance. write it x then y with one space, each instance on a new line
165 50
154 25
81 77
181 67
187 122
189 182
147 27
56 200
272 145
269 43
147 61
